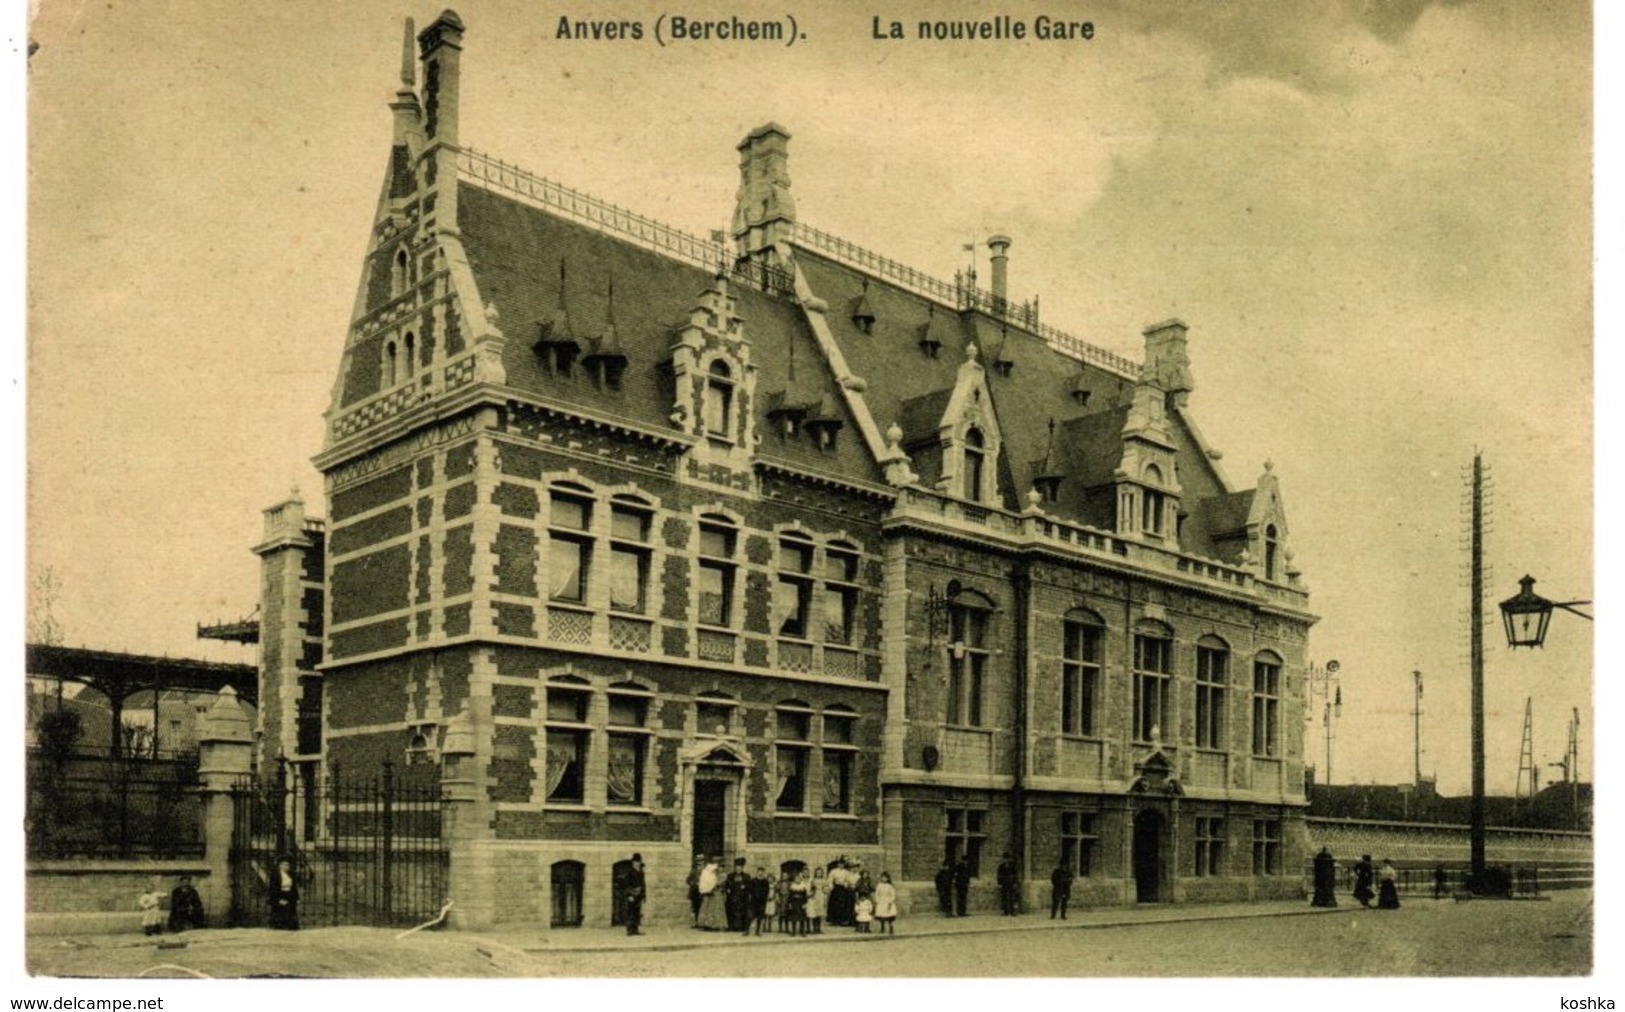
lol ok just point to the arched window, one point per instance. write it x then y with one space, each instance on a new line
1153 671
566 878
389 365
1267 704
409 359
1272 541
975 462
968 653
1212 676
717 414
714 714
1082 635
397 274
1152 501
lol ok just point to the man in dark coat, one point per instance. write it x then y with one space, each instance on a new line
761 887
185 906
1364 874
632 894
694 897
736 897
1007 886
1060 890
962 885
945 889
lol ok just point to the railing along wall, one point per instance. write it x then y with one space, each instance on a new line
960 295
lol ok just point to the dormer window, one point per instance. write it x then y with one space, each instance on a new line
1153 503
717 409
1272 544
975 463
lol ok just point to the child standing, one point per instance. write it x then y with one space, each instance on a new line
864 912
886 904
151 904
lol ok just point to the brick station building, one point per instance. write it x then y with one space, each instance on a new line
770 548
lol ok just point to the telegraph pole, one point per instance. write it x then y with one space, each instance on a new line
1416 716
1476 627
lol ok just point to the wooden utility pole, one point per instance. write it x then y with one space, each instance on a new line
1476 627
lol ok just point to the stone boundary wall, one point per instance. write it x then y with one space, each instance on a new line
74 897
1561 858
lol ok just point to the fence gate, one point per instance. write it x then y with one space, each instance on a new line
364 850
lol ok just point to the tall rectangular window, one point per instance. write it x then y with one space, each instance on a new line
567 736
840 755
840 595
1209 846
967 665
1080 676
1152 672
1211 666
964 837
716 573
1266 847
629 559
791 752
628 748
1266 708
569 547
792 596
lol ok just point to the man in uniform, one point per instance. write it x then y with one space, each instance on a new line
962 885
736 895
1060 890
945 888
1007 886
632 893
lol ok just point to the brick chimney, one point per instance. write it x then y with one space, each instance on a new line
1000 245
765 212
1167 365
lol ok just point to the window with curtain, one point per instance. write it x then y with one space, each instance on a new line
792 595
628 745
629 554
718 539
569 551
840 593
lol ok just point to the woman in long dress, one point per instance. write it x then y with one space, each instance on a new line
842 899
1388 887
713 914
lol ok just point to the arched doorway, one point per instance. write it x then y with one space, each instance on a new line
1148 827
566 880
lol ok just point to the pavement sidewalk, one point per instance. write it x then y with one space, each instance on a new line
672 937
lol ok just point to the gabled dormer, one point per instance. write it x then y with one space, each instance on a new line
969 437
1147 477
714 390
1266 533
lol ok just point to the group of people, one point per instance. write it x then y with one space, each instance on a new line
799 901
185 907
1386 879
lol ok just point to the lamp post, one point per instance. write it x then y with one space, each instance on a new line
1526 615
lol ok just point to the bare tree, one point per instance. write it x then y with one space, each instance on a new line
44 593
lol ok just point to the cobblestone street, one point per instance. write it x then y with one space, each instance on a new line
1426 938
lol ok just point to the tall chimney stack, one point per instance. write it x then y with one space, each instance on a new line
1000 245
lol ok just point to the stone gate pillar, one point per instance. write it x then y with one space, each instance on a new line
471 878
225 741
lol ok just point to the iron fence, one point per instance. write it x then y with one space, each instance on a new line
98 806
363 849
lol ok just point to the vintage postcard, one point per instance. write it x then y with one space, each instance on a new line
928 490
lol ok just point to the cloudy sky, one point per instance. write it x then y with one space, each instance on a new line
1375 216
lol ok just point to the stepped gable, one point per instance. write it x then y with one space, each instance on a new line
514 250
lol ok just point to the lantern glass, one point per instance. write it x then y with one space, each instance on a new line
1526 615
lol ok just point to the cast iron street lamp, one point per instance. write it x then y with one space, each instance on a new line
1526 615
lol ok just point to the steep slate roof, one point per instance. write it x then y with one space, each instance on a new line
514 250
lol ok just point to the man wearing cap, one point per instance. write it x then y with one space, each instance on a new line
736 895
632 893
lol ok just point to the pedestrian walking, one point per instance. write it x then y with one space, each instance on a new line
1438 882
886 904
632 895
152 909
962 877
185 907
1060 890
1008 885
1364 878
1388 886
945 889
284 889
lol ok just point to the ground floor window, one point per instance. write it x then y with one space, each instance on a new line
964 837
566 880
1266 846
1078 839
1209 846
